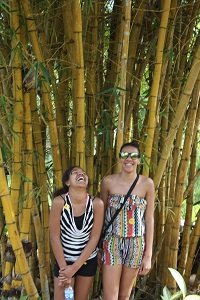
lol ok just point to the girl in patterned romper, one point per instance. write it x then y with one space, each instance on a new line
76 221
127 246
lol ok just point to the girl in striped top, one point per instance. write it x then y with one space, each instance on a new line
76 221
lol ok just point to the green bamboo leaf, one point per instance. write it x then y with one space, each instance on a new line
4 6
36 74
106 91
44 71
179 280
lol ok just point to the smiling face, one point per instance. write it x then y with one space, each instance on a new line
77 177
129 158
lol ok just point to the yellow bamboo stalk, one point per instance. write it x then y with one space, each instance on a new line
33 259
163 191
14 236
40 248
78 85
170 201
111 83
41 177
167 64
181 177
125 28
136 26
132 110
155 85
181 108
7 273
45 92
25 215
69 44
62 116
18 107
28 172
194 238
188 216
91 89
191 184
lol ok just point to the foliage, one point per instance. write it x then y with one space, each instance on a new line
40 56
182 293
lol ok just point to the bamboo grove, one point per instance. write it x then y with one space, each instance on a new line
79 78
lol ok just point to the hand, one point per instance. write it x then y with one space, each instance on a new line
145 266
63 282
67 272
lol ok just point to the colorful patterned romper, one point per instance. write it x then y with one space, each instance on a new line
124 241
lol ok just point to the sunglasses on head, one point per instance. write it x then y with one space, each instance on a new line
125 155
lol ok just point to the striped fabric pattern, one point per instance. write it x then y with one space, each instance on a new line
123 251
74 240
130 220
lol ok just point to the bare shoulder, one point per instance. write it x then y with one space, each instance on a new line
98 203
110 178
107 179
146 180
58 201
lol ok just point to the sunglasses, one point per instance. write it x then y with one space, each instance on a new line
125 155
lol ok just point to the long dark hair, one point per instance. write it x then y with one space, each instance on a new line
65 177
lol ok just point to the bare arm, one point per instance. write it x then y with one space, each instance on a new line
149 218
104 191
149 228
54 226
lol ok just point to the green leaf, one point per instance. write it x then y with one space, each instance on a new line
177 295
44 71
4 6
179 280
166 293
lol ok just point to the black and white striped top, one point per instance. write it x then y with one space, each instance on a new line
73 239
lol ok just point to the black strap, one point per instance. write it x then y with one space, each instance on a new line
118 210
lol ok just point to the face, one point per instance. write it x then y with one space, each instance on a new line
78 177
129 158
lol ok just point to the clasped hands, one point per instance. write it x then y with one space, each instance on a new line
65 275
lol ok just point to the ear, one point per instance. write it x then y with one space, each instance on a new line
67 183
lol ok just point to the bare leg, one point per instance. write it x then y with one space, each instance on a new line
58 290
82 287
111 281
128 278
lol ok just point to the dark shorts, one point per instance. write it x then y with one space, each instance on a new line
89 268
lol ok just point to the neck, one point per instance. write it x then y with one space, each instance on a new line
77 195
128 177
